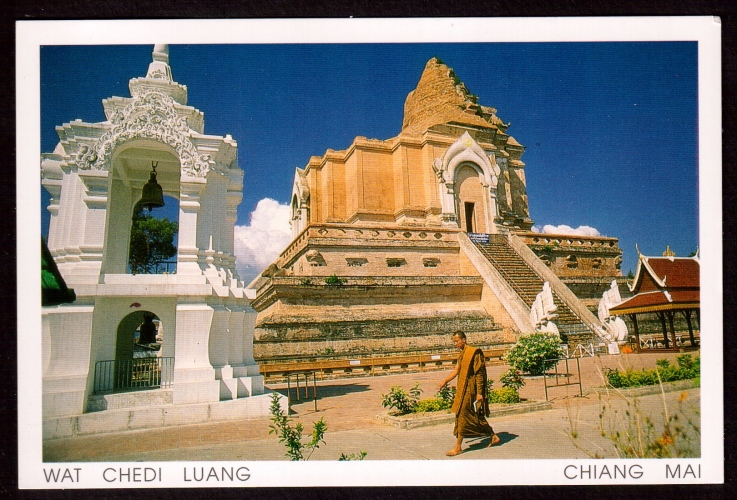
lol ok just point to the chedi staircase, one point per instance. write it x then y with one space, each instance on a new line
527 284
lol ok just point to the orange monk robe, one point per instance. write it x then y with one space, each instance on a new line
471 381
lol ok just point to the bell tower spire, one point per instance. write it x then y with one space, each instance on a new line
158 77
159 67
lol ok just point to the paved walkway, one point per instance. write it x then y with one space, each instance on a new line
349 407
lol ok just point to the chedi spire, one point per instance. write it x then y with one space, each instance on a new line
441 97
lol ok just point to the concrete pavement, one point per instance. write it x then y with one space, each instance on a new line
349 407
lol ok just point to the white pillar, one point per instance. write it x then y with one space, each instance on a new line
65 351
189 212
194 376
250 380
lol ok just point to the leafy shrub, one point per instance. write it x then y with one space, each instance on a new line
505 395
290 436
513 379
531 351
685 361
430 404
443 400
614 377
447 394
334 280
664 372
402 400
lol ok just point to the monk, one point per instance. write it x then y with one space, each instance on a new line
471 387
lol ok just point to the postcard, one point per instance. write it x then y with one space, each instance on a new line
363 252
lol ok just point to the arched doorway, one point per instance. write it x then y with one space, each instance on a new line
471 205
139 333
138 363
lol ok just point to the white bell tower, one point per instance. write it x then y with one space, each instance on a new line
95 176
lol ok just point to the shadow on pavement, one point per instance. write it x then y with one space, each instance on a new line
326 391
505 437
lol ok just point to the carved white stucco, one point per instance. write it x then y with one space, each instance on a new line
466 151
95 179
543 311
616 328
153 116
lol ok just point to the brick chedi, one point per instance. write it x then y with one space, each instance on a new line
441 100
382 259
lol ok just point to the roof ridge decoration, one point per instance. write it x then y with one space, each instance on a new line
151 115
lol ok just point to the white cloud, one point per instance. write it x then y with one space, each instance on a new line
563 229
259 244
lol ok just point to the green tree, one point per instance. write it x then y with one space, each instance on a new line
152 242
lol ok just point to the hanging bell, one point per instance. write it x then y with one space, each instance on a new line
153 194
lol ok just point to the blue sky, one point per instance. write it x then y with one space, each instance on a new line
610 128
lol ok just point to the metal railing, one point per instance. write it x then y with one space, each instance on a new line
565 375
306 376
583 350
165 267
158 267
121 375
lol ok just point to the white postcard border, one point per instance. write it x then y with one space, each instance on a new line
30 35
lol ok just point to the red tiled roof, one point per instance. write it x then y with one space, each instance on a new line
654 301
678 273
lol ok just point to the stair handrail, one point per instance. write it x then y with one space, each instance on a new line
560 288
515 306
503 272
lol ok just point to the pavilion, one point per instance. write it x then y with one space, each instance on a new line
665 286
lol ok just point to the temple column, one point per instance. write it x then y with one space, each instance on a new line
661 315
670 315
449 216
691 338
633 317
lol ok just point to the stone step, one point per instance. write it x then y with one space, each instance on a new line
117 401
524 280
135 418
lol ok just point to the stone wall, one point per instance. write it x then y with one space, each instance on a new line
369 316
589 289
371 338
577 256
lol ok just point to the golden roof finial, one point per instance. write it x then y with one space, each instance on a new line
668 252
